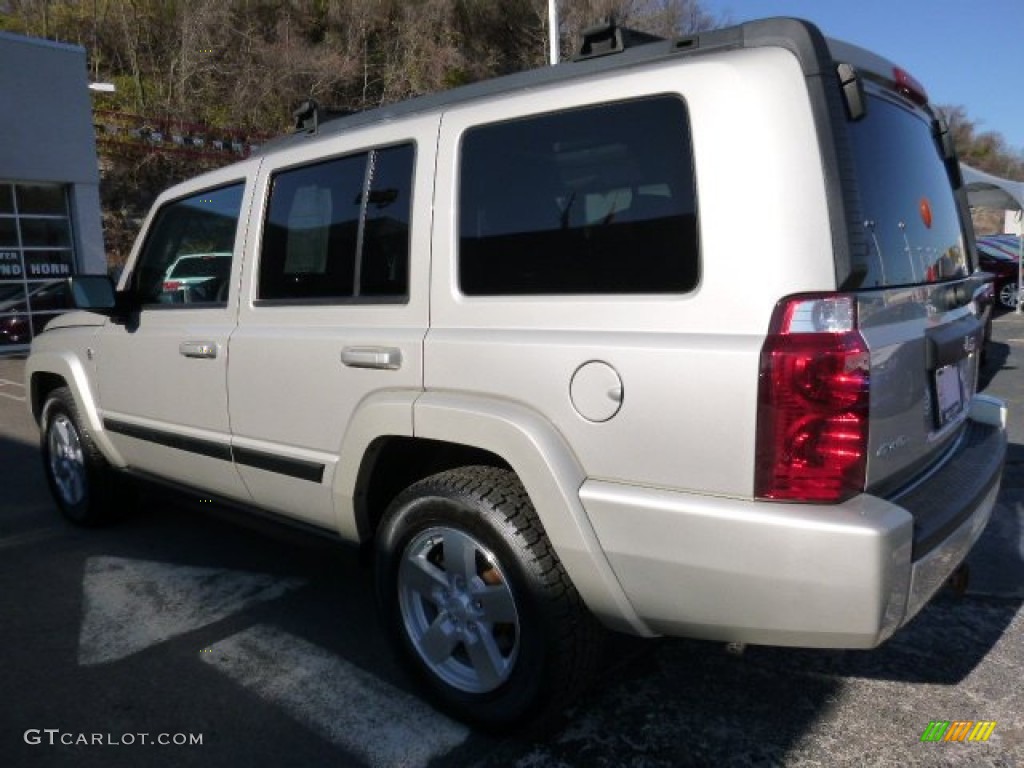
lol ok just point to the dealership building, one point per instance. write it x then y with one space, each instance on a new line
50 224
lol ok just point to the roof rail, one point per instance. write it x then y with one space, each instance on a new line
309 114
607 37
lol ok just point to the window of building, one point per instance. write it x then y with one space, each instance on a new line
186 259
36 253
339 230
598 200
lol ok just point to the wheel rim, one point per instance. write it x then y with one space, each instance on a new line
458 609
67 462
1008 296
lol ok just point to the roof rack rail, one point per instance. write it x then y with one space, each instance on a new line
309 114
607 37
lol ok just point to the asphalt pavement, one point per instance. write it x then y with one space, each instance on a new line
189 622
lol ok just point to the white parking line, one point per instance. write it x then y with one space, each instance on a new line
9 383
345 704
129 605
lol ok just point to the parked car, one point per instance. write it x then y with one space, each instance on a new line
999 257
16 322
196 277
494 336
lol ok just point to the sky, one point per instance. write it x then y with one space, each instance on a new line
965 52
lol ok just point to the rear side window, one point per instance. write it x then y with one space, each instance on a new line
339 230
599 200
910 214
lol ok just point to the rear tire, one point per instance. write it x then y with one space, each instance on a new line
81 481
478 604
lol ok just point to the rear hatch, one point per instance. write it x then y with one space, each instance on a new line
912 280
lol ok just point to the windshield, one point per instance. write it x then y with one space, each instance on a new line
910 214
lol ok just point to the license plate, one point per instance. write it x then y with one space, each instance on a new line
948 393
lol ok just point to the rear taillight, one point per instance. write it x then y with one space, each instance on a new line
171 285
813 402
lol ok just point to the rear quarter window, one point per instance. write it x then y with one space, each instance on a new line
598 200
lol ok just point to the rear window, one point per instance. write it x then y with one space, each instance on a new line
910 214
598 200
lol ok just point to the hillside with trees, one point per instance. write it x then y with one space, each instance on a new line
230 72
200 82
987 151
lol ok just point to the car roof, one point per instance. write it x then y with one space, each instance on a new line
802 37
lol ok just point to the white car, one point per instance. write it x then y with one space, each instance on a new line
196 277
673 339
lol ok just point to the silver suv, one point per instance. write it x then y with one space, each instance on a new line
676 338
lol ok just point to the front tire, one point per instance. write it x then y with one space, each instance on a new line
80 479
477 602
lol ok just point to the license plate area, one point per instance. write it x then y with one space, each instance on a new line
949 393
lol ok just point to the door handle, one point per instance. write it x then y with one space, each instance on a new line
383 358
200 349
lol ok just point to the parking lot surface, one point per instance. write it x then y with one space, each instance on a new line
190 635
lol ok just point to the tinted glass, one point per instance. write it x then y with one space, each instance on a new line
910 214
6 199
50 295
8 231
309 240
12 297
53 233
46 199
322 240
205 223
385 259
597 200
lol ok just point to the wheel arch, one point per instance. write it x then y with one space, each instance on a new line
47 371
533 448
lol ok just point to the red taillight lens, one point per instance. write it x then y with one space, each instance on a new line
171 285
812 425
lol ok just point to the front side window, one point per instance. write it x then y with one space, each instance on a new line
599 200
339 230
186 258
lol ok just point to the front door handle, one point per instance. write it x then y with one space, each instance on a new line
383 358
201 349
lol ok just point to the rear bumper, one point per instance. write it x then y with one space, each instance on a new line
837 576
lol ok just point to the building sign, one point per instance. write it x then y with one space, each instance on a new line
10 264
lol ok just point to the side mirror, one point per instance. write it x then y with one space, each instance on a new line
92 292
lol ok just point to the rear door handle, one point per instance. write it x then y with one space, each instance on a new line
201 349
383 358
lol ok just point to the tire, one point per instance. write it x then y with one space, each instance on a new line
82 483
1008 296
501 641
